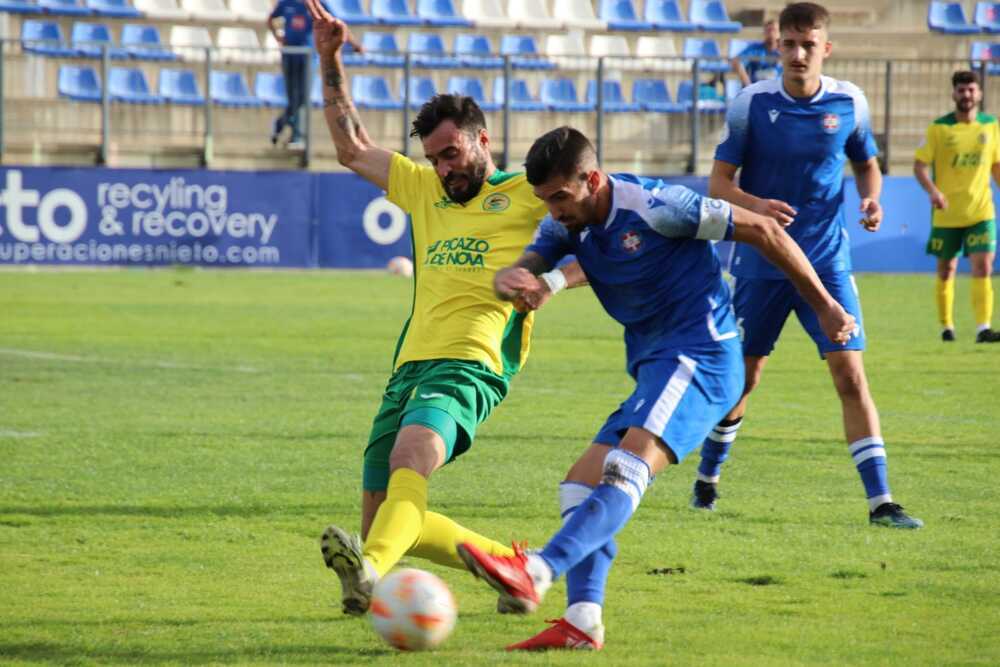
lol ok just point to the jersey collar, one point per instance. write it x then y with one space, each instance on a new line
614 202
825 84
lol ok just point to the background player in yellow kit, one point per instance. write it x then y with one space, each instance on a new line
460 346
963 148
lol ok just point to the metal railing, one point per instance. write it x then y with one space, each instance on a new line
904 97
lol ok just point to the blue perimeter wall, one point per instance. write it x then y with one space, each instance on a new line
96 216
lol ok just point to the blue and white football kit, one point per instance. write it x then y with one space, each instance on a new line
795 150
654 269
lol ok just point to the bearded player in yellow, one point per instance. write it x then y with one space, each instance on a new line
460 346
964 149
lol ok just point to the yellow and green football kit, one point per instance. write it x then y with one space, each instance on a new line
457 352
962 156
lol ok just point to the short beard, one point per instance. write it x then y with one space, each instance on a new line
476 177
963 106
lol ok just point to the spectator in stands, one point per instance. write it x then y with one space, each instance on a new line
759 60
297 32
963 148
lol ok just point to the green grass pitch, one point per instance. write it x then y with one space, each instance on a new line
172 444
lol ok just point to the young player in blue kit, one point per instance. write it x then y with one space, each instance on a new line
791 137
645 249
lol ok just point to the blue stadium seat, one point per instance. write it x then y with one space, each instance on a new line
733 88
666 15
372 92
63 8
180 86
381 49
230 89
948 17
20 7
471 87
521 98
988 16
524 52
128 84
116 8
90 38
142 42
738 46
560 95
475 51
984 51
708 51
351 12
351 57
711 16
421 89
685 98
269 88
393 12
613 101
620 15
653 95
440 13
427 50
44 38
79 83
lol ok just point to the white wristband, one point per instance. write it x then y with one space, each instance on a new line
555 279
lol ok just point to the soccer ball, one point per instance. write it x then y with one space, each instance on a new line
400 266
412 610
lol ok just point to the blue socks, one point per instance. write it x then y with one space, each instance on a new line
715 450
605 511
869 458
585 581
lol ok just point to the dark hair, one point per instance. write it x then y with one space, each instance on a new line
803 16
557 152
459 109
963 77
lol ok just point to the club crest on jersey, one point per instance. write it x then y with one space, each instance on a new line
631 241
496 203
831 123
982 138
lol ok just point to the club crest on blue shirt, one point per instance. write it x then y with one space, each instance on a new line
631 241
831 123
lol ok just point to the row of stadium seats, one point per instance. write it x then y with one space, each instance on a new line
381 48
178 86
706 15
949 17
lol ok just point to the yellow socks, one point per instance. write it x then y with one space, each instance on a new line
982 301
399 521
440 536
945 293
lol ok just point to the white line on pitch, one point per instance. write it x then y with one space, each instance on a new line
53 356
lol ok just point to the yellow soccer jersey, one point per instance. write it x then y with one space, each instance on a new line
457 249
962 155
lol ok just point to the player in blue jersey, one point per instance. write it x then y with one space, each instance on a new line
791 138
645 249
759 60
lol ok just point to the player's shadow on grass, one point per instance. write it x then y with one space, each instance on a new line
65 654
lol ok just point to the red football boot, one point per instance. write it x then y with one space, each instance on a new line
562 634
507 574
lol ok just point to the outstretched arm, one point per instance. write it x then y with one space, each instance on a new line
768 237
529 284
355 149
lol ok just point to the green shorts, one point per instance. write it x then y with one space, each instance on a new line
466 390
949 242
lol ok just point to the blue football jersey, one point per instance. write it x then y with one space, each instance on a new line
795 150
760 63
298 22
652 265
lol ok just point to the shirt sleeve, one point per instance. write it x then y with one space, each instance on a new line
861 145
276 10
408 182
734 134
675 211
551 241
925 151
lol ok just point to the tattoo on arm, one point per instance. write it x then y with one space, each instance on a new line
334 77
